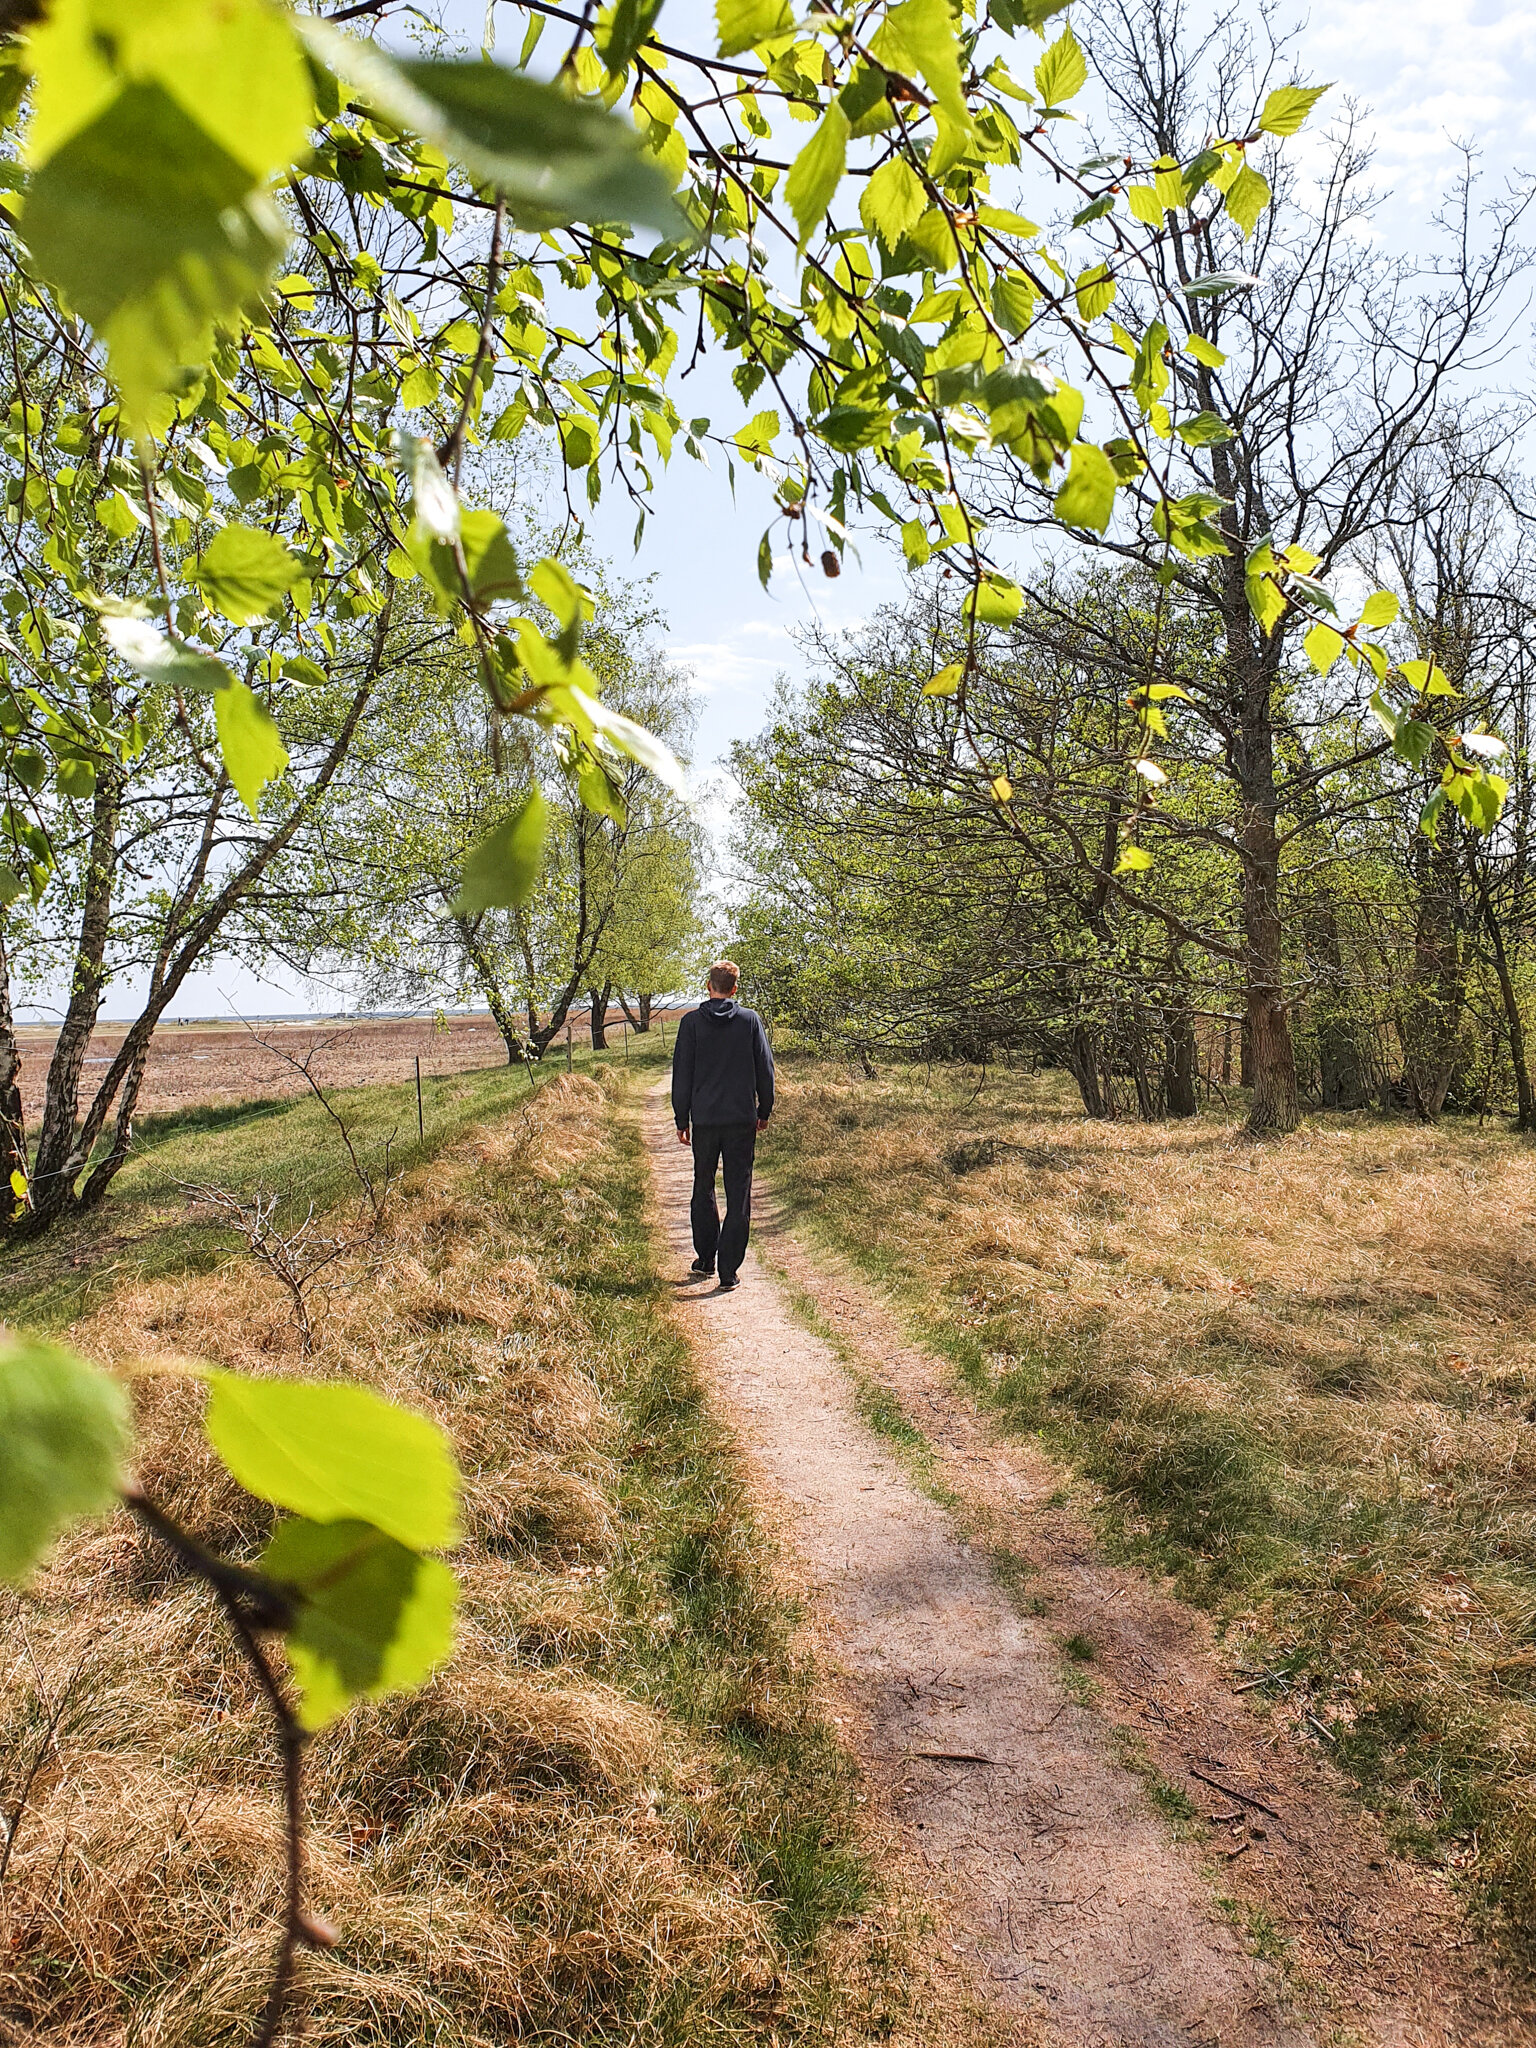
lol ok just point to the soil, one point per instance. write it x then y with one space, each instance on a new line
192 1065
1021 1792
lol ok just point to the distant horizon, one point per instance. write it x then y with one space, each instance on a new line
226 1021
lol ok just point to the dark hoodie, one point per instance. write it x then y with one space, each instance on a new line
722 1070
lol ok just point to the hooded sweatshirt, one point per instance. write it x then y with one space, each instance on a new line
722 1070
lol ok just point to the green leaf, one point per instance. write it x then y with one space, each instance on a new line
501 871
153 136
635 741
1087 498
490 561
175 662
233 68
743 24
1203 351
1379 609
1247 197
1413 741
554 586
373 1616
920 35
995 601
1479 797
1429 817
1287 107
1324 646
765 558
552 158
1203 430
893 201
1428 678
758 435
1216 284
1094 291
75 778
249 741
63 1438
243 573
622 28
817 171
115 515
334 1452
1384 714
152 233
1145 205
1135 860
1062 72
1266 600
490 557
946 682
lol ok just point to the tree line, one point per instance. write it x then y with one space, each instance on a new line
944 851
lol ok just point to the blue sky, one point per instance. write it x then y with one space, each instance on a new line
1427 72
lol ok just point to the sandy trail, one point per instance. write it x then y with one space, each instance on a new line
1055 1873
1068 1895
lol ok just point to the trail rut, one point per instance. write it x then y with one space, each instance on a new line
1036 1844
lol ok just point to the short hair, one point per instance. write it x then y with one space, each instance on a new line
724 978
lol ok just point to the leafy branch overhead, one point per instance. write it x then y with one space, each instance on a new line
313 273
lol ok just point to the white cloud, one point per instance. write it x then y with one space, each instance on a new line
1432 73
720 666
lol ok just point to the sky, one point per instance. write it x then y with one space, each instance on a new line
1427 74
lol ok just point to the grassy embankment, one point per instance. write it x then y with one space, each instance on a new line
1297 1375
618 1815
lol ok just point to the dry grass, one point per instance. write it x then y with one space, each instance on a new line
1300 1376
615 1817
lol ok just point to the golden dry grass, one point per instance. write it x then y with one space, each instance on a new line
1299 1374
615 1816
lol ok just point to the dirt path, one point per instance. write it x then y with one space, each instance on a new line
1058 1878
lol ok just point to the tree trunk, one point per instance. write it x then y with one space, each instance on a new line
1274 1106
599 998
490 987
1341 1064
54 1170
13 1128
1180 1062
640 1016
1525 1114
1082 1057
1432 1014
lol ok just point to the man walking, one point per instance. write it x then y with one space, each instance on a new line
722 1090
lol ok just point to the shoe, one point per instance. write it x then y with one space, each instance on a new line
702 1266
728 1281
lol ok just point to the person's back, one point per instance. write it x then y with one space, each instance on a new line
722 1093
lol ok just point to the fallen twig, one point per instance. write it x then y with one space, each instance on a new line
1232 1792
957 1756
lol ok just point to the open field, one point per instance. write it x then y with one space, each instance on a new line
619 1815
1298 1376
208 1062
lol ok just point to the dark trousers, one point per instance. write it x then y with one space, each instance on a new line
730 1145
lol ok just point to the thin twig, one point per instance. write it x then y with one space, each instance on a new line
251 1602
